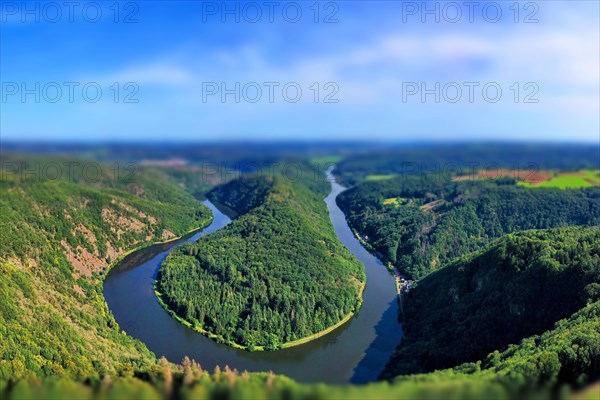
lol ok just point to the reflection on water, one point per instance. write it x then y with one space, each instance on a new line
378 352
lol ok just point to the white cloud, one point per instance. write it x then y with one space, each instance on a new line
562 59
156 74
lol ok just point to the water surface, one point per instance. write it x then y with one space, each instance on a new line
356 352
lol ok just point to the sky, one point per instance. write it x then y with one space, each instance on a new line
289 70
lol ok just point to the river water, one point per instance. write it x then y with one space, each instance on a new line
356 352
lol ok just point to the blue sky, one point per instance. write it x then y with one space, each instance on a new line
362 70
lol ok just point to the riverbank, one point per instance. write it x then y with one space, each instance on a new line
283 252
206 222
331 328
220 339
362 342
402 284
213 336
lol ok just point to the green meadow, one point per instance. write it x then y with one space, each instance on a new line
569 180
382 177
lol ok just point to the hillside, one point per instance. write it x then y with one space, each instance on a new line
58 234
567 355
517 286
421 223
276 274
534 369
518 318
242 195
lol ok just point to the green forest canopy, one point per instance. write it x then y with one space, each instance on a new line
274 275
50 330
515 287
54 322
430 222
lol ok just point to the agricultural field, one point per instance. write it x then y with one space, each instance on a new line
379 177
542 178
568 180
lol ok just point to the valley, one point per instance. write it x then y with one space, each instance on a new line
467 298
359 342
305 200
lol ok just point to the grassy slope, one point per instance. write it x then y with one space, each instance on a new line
53 319
277 274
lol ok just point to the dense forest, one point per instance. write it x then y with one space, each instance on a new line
509 315
242 195
421 223
517 286
275 275
58 234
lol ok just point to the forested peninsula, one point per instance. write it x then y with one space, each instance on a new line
274 277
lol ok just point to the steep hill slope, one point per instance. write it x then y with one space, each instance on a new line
57 236
518 286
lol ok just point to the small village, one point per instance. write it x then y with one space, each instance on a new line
403 285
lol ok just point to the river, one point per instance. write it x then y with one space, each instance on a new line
354 353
